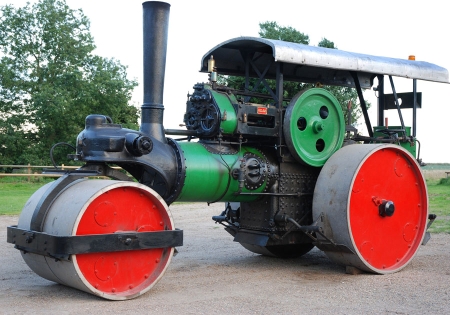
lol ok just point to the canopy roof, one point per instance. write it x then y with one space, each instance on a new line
314 64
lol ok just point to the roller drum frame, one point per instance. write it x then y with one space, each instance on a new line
98 210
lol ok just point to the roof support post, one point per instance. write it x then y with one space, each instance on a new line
362 102
279 84
381 100
396 102
414 107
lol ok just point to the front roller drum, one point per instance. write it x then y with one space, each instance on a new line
92 207
373 204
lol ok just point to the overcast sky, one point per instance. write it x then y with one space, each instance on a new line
385 28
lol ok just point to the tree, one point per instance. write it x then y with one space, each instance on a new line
272 30
50 81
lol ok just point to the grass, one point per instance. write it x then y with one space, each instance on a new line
439 199
14 193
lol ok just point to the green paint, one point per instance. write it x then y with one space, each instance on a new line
316 127
407 145
208 175
228 123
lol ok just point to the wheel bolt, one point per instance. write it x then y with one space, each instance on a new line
386 209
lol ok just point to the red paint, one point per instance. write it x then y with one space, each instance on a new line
388 242
262 110
123 209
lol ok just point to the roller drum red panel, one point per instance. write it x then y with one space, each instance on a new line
374 202
90 207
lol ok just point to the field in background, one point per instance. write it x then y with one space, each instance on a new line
436 171
14 193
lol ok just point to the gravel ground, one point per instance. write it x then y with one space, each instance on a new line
213 275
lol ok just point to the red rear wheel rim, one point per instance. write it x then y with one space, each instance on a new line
387 243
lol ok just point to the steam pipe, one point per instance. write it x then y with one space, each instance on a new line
156 26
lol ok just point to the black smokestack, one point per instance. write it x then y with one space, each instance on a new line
156 26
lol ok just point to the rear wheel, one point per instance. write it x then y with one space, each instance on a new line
374 202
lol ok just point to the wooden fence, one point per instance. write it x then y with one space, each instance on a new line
31 171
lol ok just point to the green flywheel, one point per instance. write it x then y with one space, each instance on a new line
314 126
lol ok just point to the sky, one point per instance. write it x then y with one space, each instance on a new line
382 28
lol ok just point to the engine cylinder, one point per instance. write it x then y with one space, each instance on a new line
221 172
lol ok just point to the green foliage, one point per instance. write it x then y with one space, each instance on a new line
327 44
50 81
445 181
289 34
